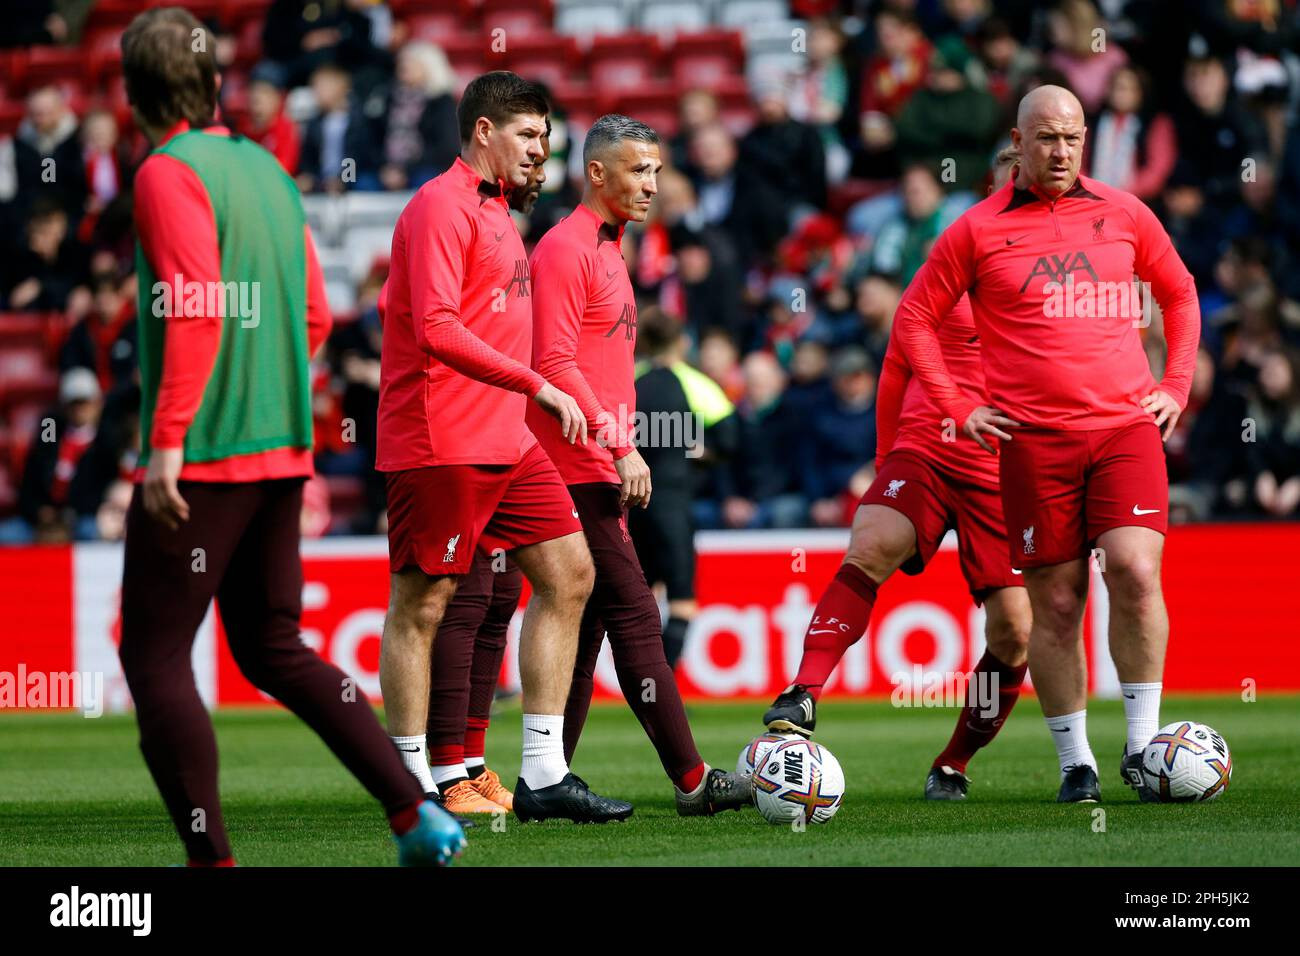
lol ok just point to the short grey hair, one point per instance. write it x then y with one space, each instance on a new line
610 130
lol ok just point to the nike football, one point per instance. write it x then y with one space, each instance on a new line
1187 762
752 754
798 780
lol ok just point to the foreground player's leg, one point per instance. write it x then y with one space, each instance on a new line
1001 670
1139 633
623 606
452 656
561 574
416 605
485 673
882 539
1057 594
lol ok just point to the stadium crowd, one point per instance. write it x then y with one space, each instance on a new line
781 239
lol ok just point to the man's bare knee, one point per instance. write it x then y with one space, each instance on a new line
882 540
418 601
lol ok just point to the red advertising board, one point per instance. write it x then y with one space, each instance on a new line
1233 593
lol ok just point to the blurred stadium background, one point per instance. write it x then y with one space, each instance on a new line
814 150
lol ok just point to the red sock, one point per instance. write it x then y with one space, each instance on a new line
691 779
974 728
404 821
475 739
446 755
840 618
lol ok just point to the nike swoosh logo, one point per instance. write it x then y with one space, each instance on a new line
409 750
1131 696
825 630
544 733
1012 242
499 235
610 275
1061 730
1144 511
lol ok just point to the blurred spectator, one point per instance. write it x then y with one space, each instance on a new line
1083 50
1006 65
785 153
734 196
33 23
890 76
1129 146
695 110
705 288
719 359
820 92
1194 229
1214 133
338 150
1274 454
841 439
107 165
44 272
875 300
268 125
420 139
302 35
47 154
62 439
105 340
759 487
948 124
905 240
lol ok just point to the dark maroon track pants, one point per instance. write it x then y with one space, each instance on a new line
241 547
467 654
622 604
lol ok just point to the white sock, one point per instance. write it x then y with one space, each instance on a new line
1070 734
544 764
1142 708
447 772
416 757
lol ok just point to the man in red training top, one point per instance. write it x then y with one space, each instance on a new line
462 470
584 321
471 644
231 306
928 479
1049 262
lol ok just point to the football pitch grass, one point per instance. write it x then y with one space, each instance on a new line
75 792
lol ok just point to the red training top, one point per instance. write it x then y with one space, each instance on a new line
178 234
458 330
906 418
584 333
1052 293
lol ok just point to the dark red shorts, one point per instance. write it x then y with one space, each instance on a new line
1061 490
934 501
438 516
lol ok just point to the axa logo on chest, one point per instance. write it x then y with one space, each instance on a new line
77 909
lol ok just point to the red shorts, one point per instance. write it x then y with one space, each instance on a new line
935 501
438 516
1061 490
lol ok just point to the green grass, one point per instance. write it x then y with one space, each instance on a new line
75 792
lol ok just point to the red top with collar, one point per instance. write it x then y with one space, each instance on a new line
584 334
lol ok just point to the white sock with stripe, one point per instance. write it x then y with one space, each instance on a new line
1142 709
543 764
415 756
1070 735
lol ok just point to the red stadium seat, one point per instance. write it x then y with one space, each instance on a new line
19 329
467 53
577 101
655 105
623 61
547 57
248 44
115 14
52 66
702 59
235 13
103 53
518 18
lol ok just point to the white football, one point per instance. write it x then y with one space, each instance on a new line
752 754
1186 762
798 780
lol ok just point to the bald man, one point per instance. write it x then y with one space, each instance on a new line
1073 412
